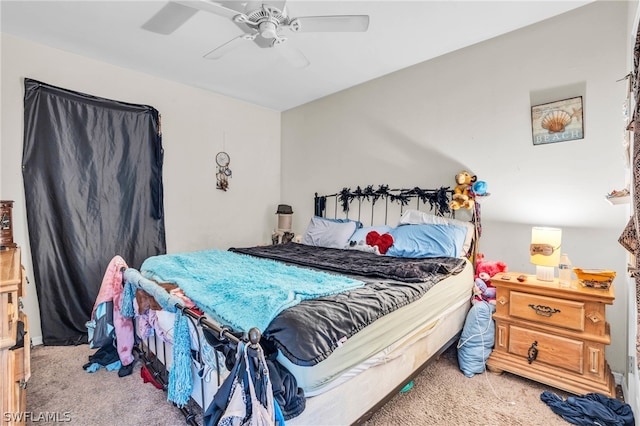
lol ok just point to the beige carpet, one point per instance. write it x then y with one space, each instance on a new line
441 395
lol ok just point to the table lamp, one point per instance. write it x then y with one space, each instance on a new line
283 232
285 214
545 251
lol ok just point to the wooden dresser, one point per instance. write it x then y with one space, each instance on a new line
551 334
14 361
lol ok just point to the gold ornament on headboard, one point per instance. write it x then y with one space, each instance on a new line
224 172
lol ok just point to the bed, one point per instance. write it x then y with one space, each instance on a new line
375 315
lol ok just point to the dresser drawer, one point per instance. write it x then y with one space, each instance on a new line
547 310
11 271
555 351
19 371
8 318
22 356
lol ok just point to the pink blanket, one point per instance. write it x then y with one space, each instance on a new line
111 289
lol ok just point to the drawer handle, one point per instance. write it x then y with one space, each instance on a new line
532 353
545 311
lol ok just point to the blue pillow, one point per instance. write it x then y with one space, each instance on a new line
477 339
361 234
427 240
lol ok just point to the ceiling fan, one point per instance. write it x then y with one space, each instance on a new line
263 23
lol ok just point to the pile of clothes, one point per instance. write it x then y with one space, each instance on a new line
590 409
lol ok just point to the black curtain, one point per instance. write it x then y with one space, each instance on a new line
92 172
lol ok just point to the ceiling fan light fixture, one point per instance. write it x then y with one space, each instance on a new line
268 29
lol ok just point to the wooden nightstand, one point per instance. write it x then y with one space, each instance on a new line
551 334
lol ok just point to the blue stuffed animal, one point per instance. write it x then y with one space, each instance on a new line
482 290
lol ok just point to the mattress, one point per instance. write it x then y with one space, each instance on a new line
368 388
372 344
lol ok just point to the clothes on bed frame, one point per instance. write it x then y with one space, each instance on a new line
289 397
245 396
286 393
146 302
180 379
111 290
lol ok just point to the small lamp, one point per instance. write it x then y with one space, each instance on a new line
545 251
283 232
285 215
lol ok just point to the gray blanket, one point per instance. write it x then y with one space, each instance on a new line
355 262
310 331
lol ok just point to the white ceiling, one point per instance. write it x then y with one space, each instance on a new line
400 34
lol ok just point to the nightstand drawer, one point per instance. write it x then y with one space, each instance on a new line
555 351
547 310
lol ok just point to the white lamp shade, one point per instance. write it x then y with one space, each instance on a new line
284 222
545 246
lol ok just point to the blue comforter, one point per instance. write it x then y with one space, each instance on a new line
242 291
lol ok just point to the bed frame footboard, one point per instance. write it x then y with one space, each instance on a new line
157 359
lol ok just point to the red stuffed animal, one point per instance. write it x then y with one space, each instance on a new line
485 270
383 242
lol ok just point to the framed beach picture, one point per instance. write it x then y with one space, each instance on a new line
557 121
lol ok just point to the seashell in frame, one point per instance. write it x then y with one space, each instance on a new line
555 121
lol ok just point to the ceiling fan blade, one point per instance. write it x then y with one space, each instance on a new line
233 4
252 5
221 50
175 13
292 54
169 18
338 23
215 8
278 4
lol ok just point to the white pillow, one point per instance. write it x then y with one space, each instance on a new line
323 232
415 217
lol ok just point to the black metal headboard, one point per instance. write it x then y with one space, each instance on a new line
376 202
438 200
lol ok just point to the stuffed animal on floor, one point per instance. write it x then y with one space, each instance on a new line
476 339
461 197
485 270
478 333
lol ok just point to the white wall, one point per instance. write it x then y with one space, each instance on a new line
195 125
470 110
